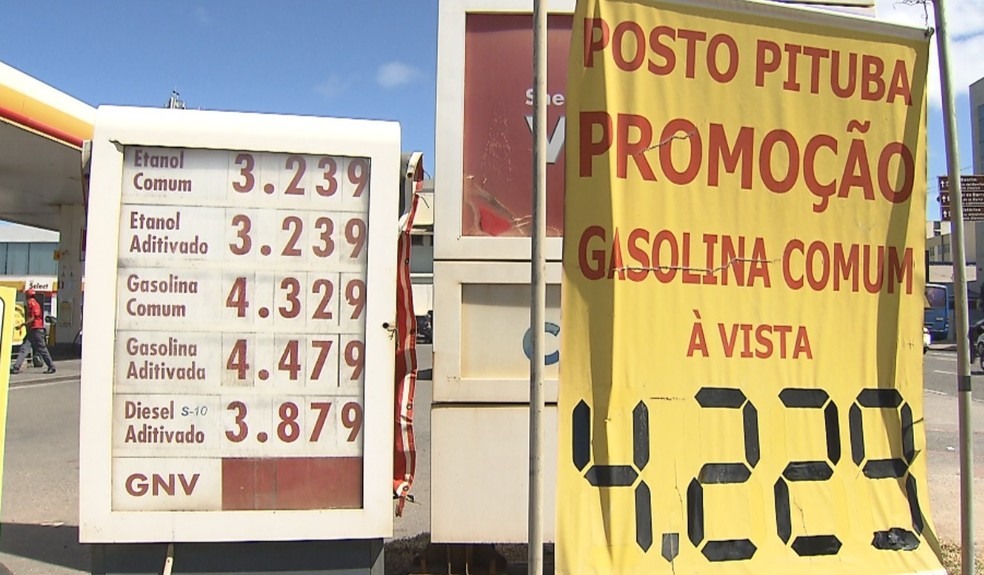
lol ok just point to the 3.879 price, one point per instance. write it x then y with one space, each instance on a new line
292 425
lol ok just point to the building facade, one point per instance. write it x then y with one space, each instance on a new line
977 124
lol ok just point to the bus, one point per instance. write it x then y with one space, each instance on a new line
937 315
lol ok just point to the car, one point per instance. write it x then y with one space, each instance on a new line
976 331
978 350
425 328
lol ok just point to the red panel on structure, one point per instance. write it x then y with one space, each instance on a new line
497 158
292 483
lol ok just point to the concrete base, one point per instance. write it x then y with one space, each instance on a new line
355 557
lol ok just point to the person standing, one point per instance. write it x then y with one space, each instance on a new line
36 335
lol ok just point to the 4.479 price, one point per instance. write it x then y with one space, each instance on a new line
296 360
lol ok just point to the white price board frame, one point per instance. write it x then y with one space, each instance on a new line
238 360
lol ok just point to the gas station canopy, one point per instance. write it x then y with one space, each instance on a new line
41 134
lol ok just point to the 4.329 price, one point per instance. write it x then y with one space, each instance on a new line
308 299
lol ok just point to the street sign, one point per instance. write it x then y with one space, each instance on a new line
238 370
971 194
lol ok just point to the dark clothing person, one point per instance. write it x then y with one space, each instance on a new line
36 338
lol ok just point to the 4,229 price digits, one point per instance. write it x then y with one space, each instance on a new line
291 425
887 538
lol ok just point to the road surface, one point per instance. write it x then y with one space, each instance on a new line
39 513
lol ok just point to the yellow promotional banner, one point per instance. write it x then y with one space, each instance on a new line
743 293
8 298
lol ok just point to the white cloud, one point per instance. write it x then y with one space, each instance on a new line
393 74
333 87
965 33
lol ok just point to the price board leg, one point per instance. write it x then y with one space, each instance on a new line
348 557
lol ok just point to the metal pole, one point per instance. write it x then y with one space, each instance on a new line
538 285
960 281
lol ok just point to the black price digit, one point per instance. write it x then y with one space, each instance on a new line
723 473
894 538
808 545
618 475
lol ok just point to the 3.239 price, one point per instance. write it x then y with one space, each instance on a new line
297 237
328 177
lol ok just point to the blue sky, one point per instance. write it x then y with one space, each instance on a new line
363 59
350 58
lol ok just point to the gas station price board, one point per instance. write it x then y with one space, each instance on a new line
237 371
